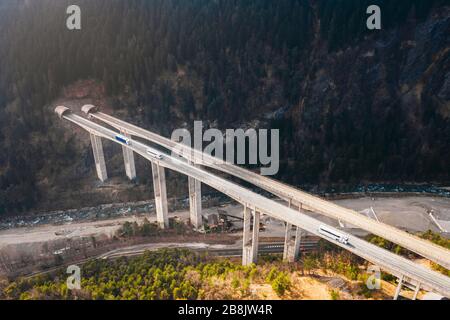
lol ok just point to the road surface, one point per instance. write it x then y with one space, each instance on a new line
392 263
296 197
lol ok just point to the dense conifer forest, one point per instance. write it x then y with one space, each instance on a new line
352 104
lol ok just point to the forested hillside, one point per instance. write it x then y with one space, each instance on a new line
352 105
180 274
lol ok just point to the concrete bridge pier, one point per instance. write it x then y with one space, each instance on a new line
416 291
291 248
99 157
159 187
195 202
128 159
246 246
287 240
250 243
297 242
399 287
292 243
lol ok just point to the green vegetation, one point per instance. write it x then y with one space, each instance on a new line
163 274
383 243
436 238
343 21
440 269
279 280
333 258
281 283
428 235
165 63
183 274
334 294
343 263
439 240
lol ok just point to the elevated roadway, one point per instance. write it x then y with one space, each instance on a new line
424 248
390 262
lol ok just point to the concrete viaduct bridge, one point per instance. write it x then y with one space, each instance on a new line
293 213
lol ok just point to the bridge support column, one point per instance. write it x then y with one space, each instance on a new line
195 202
298 238
99 157
246 246
255 235
292 246
297 242
159 187
250 244
128 159
287 241
416 291
399 287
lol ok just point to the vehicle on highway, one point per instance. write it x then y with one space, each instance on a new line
154 154
333 234
123 139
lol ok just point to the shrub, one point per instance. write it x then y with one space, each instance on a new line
281 284
334 294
